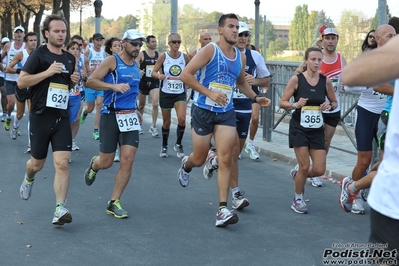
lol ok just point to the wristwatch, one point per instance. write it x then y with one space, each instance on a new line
254 99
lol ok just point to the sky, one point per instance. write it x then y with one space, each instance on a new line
278 11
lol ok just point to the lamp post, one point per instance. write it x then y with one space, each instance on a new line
80 25
97 10
257 3
173 21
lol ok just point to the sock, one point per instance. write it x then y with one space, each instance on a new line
16 122
222 205
112 201
234 191
59 205
28 181
165 136
180 132
186 169
298 196
351 187
250 142
96 130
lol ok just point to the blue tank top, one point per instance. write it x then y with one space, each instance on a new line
240 100
224 72
116 101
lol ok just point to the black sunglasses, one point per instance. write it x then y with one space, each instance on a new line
179 42
135 43
371 37
246 34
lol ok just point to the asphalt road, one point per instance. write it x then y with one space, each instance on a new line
168 224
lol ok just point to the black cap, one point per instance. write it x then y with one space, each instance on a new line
97 36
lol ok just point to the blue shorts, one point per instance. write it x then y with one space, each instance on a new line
91 95
243 120
366 129
74 106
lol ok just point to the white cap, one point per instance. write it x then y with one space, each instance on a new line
19 28
243 27
330 31
133 34
5 40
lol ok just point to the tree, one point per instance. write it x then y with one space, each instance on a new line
374 24
276 47
189 25
298 39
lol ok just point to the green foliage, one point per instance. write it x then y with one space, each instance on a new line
298 35
276 47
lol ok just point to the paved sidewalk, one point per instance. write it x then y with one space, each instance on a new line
339 163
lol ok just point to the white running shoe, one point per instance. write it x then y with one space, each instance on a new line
62 216
164 152
25 190
224 217
209 167
74 146
179 150
250 149
239 202
182 175
153 131
116 158
316 182
357 206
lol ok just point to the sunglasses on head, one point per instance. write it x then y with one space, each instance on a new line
179 42
133 43
371 37
245 34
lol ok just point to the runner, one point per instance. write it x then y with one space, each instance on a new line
10 83
173 92
119 76
49 72
149 85
93 58
21 94
212 113
306 133
4 41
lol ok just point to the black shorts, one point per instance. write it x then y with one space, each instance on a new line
146 86
243 120
45 129
203 121
10 87
1 81
301 137
366 129
22 94
168 100
110 135
382 129
332 119
384 230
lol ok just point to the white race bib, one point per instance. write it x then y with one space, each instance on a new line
148 70
311 117
127 121
57 96
218 87
175 85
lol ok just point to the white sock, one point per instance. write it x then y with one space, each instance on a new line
298 196
234 191
250 142
16 122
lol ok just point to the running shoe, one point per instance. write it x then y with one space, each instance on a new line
153 131
141 131
239 202
83 117
115 209
26 189
74 146
116 158
224 217
28 149
96 135
239 156
364 193
90 174
210 167
7 124
250 149
19 131
179 150
299 206
164 152
182 175
315 181
357 206
61 216
14 133
346 197
3 117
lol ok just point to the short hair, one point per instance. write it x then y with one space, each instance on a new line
77 37
149 37
108 44
31 33
394 22
171 35
72 43
47 21
223 18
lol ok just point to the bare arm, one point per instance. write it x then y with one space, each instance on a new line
10 68
290 89
385 89
28 80
5 50
95 80
330 96
158 65
140 58
374 67
187 58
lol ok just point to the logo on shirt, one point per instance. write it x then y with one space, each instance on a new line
64 70
175 70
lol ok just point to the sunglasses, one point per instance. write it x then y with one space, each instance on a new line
371 37
174 42
243 34
135 43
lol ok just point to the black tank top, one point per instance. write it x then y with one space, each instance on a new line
316 94
148 61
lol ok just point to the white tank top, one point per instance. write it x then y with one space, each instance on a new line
172 68
95 58
25 56
10 55
2 74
